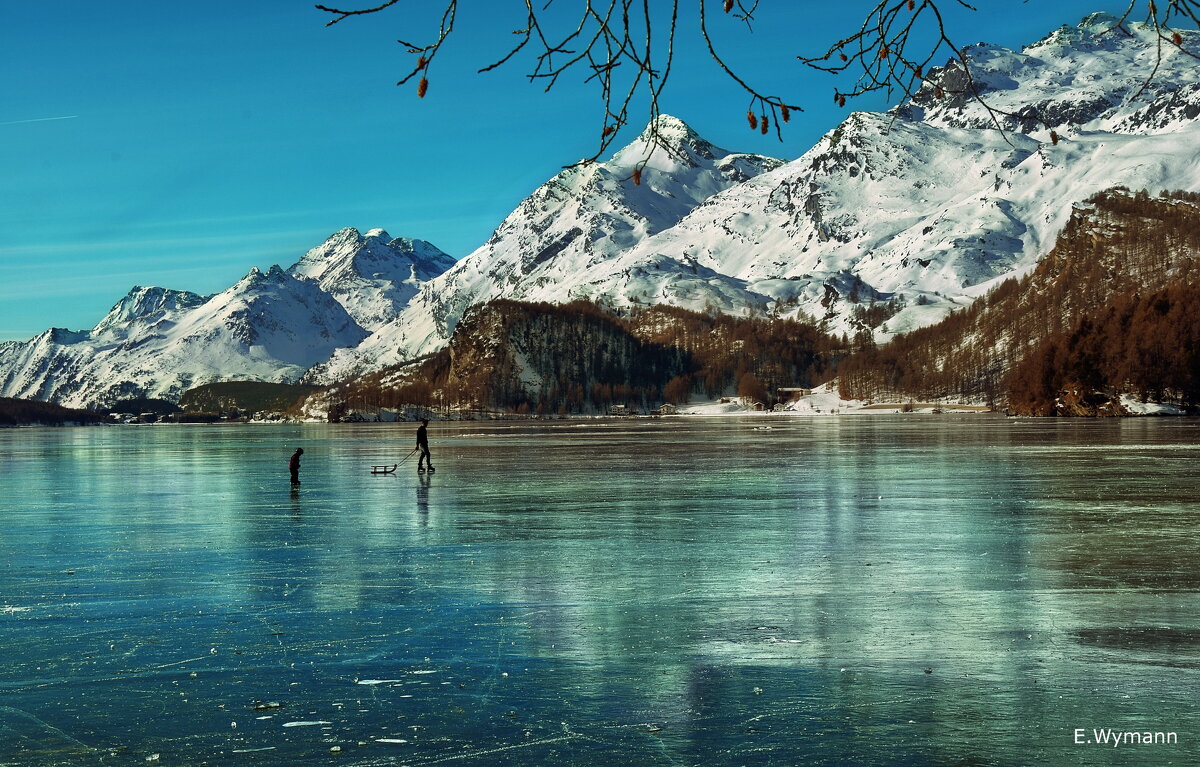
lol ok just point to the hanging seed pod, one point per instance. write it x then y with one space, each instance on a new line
842 56
911 5
1054 137
939 93
637 176
608 131
785 113
728 5
422 87
750 118
763 125
1177 38
421 62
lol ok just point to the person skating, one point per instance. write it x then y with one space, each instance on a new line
294 465
423 446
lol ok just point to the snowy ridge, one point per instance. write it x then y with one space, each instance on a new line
890 209
372 276
1086 77
269 326
573 223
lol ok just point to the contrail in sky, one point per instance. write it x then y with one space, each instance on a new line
39 120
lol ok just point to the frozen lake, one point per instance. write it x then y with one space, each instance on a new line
910 590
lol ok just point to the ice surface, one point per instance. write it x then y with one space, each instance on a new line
872 591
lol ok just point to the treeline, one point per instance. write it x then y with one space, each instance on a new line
1145 345
138 405
237 397
750 357
1119 247
23 412
543 358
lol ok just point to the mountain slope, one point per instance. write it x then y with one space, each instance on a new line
157 343
581 218
924 207
1092 76
372 276
270 326
1116 246
576 357
930 204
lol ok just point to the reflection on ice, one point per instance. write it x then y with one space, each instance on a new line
872 591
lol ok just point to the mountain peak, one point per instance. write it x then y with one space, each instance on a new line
373 275
147 304
666 142
257 277
1100 21
671 129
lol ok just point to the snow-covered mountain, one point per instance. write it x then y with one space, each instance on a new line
572 224
372 275
931 203
927 205
269 326
1089 77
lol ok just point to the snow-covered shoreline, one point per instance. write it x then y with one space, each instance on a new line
825 400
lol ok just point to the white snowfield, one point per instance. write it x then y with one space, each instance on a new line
929 205
824 400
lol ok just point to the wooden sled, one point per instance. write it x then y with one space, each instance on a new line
384 469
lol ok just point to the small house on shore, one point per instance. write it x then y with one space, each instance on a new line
793 393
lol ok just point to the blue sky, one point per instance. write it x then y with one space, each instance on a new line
180 144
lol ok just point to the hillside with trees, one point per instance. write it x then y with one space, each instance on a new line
1113 308
235 397
533 358
1144 344
1110 309
23 412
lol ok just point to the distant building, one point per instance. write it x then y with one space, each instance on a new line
793 393
666 409
619 410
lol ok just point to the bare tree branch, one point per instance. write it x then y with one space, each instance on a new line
616 44
346 14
